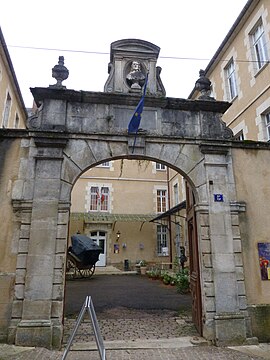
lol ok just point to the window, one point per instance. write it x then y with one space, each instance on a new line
6 111
239 136
259 46
267 125
17 121
161 201
231 80
160 166
162 241
99 198
176 194
105 164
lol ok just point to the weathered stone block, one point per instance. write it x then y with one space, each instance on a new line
19 291
48 169
209 289
238 259
62 231
59 261
38 287
210 304
57 292
63 217
40 265
242 302
207 275
17 308
34 333
17 191
23 246
20 276
241 288
61 246
206 246
260 321
36 309
230 329
25 231
237 246
21 261
207 260
58 277
47 189
57 309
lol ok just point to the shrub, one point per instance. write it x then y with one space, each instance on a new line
182 281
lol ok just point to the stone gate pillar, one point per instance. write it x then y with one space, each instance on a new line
224 296
43 284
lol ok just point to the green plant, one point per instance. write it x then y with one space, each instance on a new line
166 278
142 263
182 280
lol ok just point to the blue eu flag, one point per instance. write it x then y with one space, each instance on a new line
134 123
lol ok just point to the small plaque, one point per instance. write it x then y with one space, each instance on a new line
218 197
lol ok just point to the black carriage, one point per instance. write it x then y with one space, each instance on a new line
82 256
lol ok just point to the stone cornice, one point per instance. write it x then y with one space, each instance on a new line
41 94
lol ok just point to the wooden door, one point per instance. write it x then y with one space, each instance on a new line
195 285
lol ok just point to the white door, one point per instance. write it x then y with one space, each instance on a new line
100 238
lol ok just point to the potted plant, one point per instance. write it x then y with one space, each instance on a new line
143 267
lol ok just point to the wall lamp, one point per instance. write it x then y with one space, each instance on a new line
118 235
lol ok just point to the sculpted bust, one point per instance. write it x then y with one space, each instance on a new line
135 78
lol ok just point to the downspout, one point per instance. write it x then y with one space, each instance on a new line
170 222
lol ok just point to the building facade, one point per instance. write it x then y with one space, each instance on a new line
239 72
12 109
111 199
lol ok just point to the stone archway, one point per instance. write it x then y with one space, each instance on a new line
74 130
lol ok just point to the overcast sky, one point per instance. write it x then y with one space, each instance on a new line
190 30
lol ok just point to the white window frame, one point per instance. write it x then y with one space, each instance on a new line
106 164
99 195
176 193
162 240
230 76
161 197
6 111
160 167
239 136
259 46
267 124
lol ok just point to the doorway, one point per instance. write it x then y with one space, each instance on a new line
100 238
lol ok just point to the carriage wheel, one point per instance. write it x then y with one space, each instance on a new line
87 273
71 270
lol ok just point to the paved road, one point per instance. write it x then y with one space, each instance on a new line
128 291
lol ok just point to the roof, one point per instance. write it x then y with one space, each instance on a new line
99 217
247 9
172 211
12 71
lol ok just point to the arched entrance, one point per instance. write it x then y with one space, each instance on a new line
74 130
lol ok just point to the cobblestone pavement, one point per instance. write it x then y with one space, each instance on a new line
131 324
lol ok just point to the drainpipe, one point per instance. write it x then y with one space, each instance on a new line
170 222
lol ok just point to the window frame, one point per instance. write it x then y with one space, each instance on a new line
160 167
259 46
161 196
231 83
162 239
99 198
267 124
